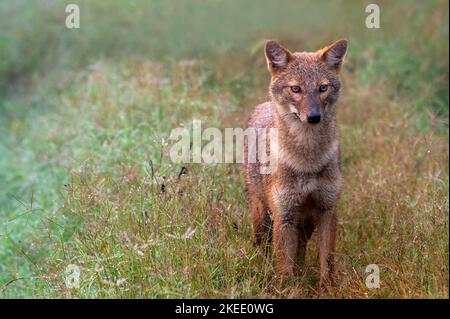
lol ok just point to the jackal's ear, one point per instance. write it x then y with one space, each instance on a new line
334 53
277 56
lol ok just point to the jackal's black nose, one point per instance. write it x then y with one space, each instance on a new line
314 118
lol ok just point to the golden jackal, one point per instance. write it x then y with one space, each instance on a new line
301 195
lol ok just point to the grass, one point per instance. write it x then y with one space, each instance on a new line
85 120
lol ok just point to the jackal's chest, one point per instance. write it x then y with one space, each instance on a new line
293 191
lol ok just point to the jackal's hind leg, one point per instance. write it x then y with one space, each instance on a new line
262 223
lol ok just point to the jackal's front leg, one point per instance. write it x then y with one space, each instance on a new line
327 239
285 240
305 230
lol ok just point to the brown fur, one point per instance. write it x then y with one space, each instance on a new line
301 195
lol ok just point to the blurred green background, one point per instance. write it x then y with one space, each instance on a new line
34 41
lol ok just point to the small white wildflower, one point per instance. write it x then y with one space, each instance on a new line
189 233
138 251
120 281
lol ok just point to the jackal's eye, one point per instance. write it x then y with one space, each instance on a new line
323 88
295 89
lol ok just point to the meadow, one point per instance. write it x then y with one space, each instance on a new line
86 180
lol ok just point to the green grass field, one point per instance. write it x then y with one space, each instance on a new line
85 116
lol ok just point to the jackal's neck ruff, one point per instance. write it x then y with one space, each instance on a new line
303 147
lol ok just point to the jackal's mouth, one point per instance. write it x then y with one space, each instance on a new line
293 115
293 112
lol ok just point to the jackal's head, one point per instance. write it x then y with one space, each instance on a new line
305 85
